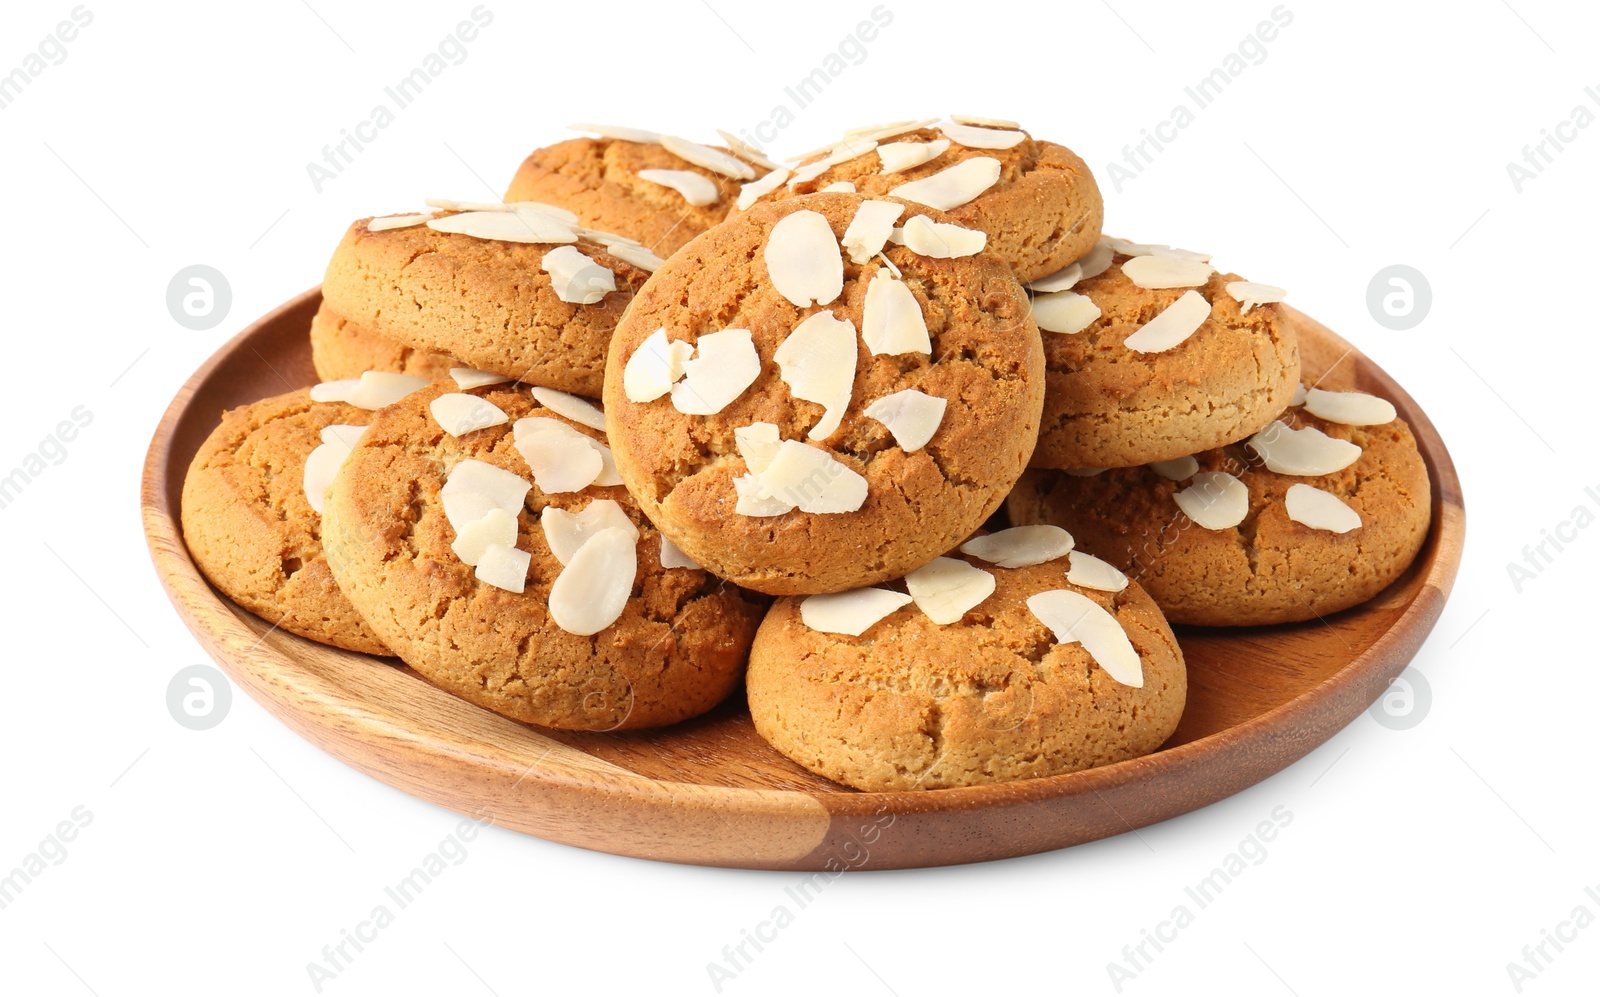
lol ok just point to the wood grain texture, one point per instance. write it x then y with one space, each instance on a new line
710 791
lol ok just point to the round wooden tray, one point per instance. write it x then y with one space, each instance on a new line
710 791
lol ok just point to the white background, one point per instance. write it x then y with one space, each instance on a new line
1421 860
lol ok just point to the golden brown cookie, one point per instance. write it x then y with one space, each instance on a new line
488 302
598 179
1040 205
340 349
1108 404
911 704
677 647
788 495
252 530
1269 567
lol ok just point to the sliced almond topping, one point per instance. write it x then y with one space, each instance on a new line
374 389
560 214
1319 509
565 532
475 486
1096 261
388 222
869 229
1215 501
322 465
506 226
1350 408
1064 311
753 499
850 148
495 528
803 259
1020 546
561 458
655 367
635 255
1088 571
696 188
744 150
714 160
459 414
818 363
334 391
891 319
580 410
1061 280
757 444
750 192
811 479
808 172
1249 294
1157 272
850 613
467 378
725 364
620 133
1176 322
1307 452
608 239
1075 618
1128 248
1176 469
347 435
526 429
897 157
592 590
1299 397
953 186
911 416
941 241
1182 254
967 119
504 568
980 138
877 133
672 557
576 278
842 187
947 587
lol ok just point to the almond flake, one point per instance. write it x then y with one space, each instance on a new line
1349 408
525 430
877 133
467 378
1307 452
338 433
1020 546
753 499
459 414
757 444
946 588
474 486
744 150
1158 272
1299 396
911 416
1319 509
655 367
940 240
696 188
1075 618
495 528
1127 248
725 364
374 389
592 590
704 156
1064 311
818 363
869 229
560 214
850 148
561 458
635 256
1176 322
812 480
1096 261
803 259
672 557
580 410
808 172
504 568
953 186
967 119
606 238
849 613
980 138
389 222
1088 571
750 192
334 391
897 157
1176 469
620 133
321 467
565 532
891 319
842 187
1215 501
1061 280
505 226
577 279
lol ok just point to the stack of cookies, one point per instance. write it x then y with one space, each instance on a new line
891 432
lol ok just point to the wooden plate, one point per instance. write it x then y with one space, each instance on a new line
710 791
